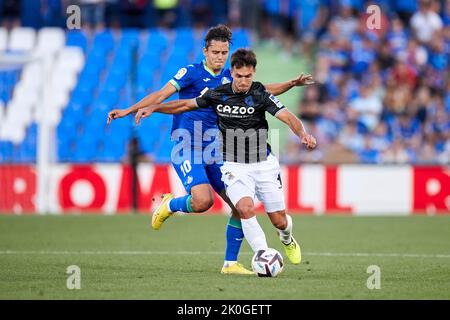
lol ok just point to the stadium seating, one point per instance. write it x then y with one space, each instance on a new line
22 39
87 75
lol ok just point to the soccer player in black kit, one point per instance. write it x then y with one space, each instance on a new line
249 169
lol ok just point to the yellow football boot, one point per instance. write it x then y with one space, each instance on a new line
236 268
293 251
162 212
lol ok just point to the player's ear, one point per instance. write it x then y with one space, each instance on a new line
205 51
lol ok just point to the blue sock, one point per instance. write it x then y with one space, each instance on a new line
181 204
234 236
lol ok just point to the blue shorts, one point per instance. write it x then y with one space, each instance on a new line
192 174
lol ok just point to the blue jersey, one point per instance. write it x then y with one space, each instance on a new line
191 81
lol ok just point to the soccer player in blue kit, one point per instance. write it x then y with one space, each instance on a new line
198 175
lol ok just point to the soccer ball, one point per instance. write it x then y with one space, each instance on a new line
267 263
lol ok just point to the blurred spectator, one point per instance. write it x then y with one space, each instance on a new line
396 153
282 23
345 20
368 154
444 156
92 13
427 153
438 57
137 14
351 138
330 122
446 13
426 22
311 17
397 98
166 12
405 9
292 152
397 38
385 58
368 106
416 55
404 73
404 127
380 140
309 106
10 13
135 154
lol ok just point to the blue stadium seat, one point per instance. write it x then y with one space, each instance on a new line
184 40
96 60
68 127
26 152
6 151
66 149
129 38
144 79
85 150
104 41
241 38
77 38
113 148
157 41
149 60
82 95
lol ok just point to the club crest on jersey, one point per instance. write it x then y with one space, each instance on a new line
249 101
225 80
180 73
276 101
229 175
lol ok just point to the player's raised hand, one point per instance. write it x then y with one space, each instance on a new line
143 113
116 114
309 141
303 80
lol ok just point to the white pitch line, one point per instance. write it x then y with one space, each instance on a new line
322 254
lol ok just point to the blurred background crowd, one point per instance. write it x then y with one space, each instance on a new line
382 95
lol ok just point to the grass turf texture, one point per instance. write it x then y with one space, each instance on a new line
122 258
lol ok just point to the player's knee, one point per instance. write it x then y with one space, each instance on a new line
246 211
201 204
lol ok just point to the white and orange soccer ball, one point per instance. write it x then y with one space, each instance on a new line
267 263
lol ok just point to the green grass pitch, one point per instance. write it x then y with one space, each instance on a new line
120 257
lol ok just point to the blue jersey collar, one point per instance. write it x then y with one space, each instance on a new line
209 70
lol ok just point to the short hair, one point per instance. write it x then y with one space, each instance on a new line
243 58
219 33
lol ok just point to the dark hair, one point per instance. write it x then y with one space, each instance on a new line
243 58
219 33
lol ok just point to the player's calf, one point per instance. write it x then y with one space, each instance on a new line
279 219
202 198
252 230
201 204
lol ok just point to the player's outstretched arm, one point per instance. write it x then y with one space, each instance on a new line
153 98
172 107
296 125
281 87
